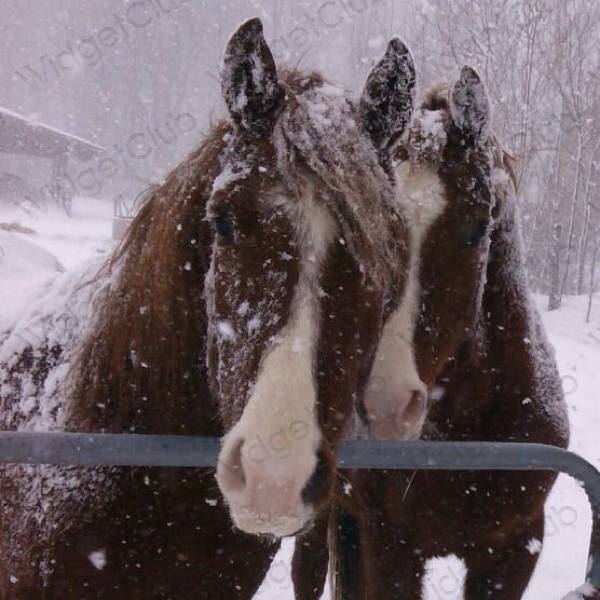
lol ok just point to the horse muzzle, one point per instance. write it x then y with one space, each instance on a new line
269 492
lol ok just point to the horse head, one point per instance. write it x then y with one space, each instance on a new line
309 256
450 178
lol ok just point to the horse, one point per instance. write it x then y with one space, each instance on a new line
490 371
247 300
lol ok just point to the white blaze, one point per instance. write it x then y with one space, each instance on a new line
394 376
279 426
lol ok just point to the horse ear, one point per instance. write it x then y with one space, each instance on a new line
387 101
249 80
470 107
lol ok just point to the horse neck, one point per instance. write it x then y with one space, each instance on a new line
508 363
507 313
526 387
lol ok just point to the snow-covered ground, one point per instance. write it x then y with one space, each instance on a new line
71 240
29 261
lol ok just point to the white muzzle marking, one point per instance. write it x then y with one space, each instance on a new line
396 398
271 453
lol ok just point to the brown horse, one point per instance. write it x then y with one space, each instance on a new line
480 349
248 298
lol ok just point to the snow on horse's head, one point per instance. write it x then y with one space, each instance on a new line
309 255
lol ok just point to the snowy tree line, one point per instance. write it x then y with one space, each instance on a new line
119 72
540 60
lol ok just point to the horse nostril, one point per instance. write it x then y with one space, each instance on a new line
417 406
319 482
414 414
231 469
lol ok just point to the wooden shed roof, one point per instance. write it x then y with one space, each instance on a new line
19 135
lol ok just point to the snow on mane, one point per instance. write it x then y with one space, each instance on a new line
36 353
54 322
29 269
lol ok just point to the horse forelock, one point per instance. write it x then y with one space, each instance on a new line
318 145
318 136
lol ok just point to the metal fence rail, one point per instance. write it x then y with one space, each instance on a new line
188 451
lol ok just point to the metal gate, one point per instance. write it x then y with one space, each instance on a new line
189 451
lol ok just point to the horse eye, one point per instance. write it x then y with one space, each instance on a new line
476 233
224 228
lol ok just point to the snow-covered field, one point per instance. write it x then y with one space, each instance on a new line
29 261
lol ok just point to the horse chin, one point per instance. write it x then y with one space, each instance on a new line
271 526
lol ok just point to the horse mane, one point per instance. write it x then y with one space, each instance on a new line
147 346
